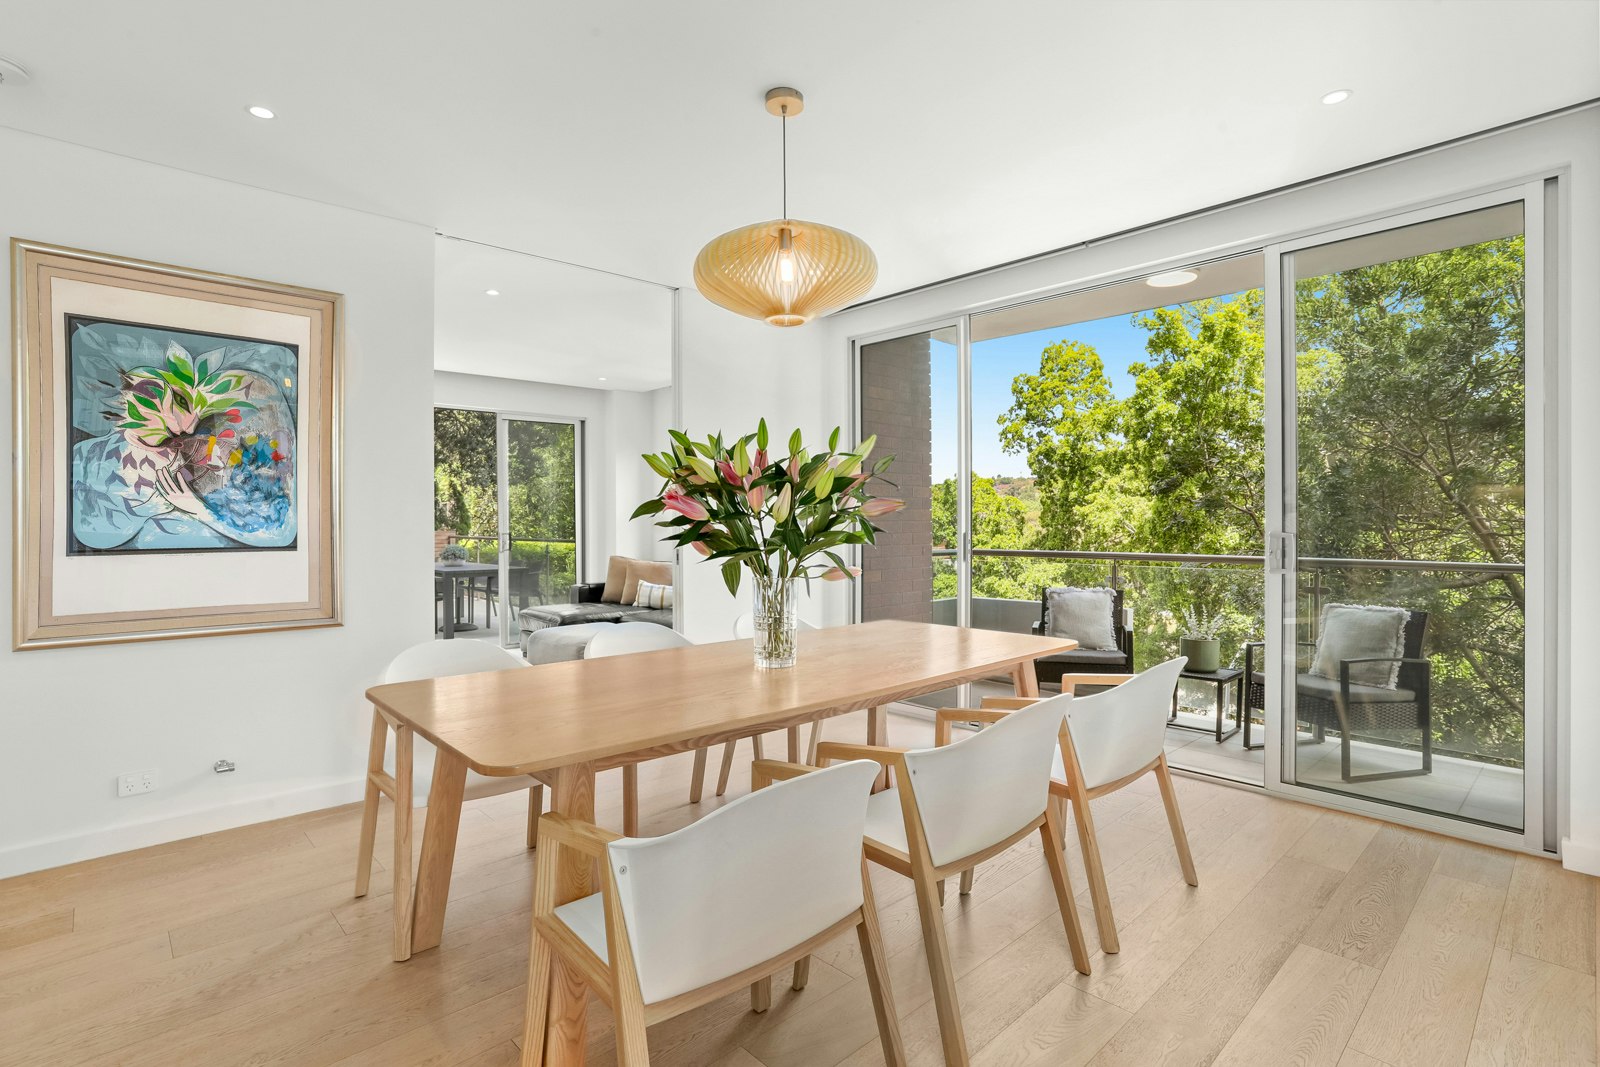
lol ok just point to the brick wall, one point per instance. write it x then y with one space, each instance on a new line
897 572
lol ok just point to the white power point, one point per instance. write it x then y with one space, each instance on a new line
137 782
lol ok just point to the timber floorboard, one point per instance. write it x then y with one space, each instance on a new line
1314 938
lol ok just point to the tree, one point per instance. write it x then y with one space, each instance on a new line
464 476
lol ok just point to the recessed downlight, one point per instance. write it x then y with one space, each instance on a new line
602 378
1169 278
262 112
491 292
1338 96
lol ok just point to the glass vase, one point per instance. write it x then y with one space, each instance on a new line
772 603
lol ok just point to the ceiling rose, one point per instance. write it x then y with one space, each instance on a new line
785 271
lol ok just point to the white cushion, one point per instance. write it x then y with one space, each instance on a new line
586 917
1358 631
1083 615
886 822
651 595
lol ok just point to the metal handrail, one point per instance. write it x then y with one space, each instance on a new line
1306 562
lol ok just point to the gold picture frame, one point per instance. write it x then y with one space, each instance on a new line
190 518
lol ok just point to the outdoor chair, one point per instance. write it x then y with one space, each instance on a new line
1109 650
1345 702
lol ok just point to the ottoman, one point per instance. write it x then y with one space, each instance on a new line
556 644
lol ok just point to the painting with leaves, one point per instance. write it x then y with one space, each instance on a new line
179 441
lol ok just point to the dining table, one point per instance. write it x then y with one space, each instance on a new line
564 722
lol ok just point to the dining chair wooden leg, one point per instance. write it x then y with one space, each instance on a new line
811 745
1180 837
1060 804
536 1008
535 809
697 780
802 973
1056 860
369 804
793 735
761 994
966 881
941 892
630 800
756 746
877 971
1105 922
727 768
952 1035
402 843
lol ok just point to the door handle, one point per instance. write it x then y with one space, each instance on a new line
1280 549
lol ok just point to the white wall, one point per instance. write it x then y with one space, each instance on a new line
286 707
1570 144
736 371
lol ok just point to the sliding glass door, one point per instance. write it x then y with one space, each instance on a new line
1409 622
541 514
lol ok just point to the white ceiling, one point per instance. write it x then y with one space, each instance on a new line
951 135
551 322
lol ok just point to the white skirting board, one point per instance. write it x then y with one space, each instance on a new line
1580 856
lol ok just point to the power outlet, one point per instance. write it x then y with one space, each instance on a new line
136 782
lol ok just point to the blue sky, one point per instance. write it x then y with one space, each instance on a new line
994 364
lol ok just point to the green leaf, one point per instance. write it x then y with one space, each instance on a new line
833 440
682 440
652 506
795 443
731 573
658 466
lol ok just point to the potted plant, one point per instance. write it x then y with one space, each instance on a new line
453 554
781 518
1199 641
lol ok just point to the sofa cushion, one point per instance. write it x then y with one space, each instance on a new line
1357 631
659 616
616 578
643 570
1083 615
1089 656
545 616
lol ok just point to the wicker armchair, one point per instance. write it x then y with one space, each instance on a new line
1350 707
1086 660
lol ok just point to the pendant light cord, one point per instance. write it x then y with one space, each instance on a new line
785 161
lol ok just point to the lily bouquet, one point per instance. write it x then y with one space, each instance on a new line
782 518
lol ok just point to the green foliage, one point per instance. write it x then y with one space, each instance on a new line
1410 410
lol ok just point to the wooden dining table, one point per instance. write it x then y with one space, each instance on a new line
564 722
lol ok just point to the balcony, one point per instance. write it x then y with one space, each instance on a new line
1476 740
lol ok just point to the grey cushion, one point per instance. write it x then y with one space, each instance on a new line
659 616
1318 687
1081 614
557 644
543 616
1357 631
1097 656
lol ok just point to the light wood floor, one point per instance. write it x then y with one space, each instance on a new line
1314 938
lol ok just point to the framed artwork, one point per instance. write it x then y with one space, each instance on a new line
177 451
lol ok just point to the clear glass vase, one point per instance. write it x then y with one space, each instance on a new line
772 603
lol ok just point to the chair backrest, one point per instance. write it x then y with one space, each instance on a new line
622 638
1120 730
751 880
443 659
744 627
983 789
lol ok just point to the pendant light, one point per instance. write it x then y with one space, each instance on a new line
786 271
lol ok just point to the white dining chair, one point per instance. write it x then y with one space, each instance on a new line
626 638
1113 738
956 805
391 774
721 904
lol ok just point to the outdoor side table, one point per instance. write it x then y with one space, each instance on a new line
1222 680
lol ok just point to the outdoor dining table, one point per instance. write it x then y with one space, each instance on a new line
454 573
564 722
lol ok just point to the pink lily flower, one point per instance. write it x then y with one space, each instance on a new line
729 474
756 496
686 506
761 459
880 506
700 547
836 574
